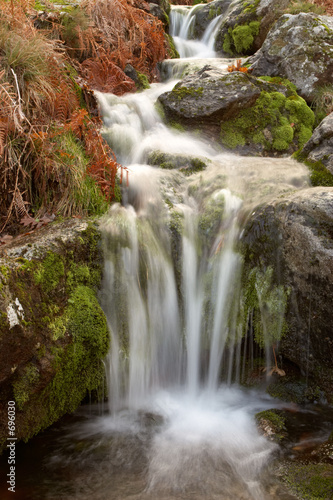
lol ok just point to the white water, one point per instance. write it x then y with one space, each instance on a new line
181 29
173 304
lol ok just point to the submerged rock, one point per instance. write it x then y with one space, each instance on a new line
53 333
249 115
295 235
299 48
185 163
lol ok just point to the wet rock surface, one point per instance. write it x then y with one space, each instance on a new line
297 234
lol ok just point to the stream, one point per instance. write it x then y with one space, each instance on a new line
177 424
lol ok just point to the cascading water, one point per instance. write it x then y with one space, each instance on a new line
171 294
181 29
178 426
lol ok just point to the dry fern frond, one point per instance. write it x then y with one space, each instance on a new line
103 75
20 204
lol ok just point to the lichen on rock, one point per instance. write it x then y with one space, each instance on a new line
299 48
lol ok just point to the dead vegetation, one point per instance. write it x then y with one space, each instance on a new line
52 156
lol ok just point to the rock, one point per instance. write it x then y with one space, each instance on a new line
157 11
320 147
184 163
53 333
246 114
204 15
140 79
163 4
245 25
295 236
299 48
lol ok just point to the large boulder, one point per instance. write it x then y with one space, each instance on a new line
299 48
53 333
320 146
246 114
204 15
246 24
294 235
318 153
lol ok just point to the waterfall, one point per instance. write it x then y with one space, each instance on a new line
178 425
173 299
181 29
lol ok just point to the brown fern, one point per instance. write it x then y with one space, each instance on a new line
103 75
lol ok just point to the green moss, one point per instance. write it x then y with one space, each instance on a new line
319 176
176 223
173 52
181 92
243 36
143 81
86 321
240 38
58 327
177 126
227 43
276 122
24 386
276 422
311 481
267 301
49 272
186 164
277 80
230 136
282 137
82 275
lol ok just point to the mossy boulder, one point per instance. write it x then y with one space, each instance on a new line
261 116
204 15
299 48
245 24
53 333
294 235
318 153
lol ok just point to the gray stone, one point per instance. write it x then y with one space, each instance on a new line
295 235
320 146
299 48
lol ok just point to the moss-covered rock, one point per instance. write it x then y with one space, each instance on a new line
53 333
252 116
294 235
184 163
272 424
276 123
299 48
245 25
318 153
